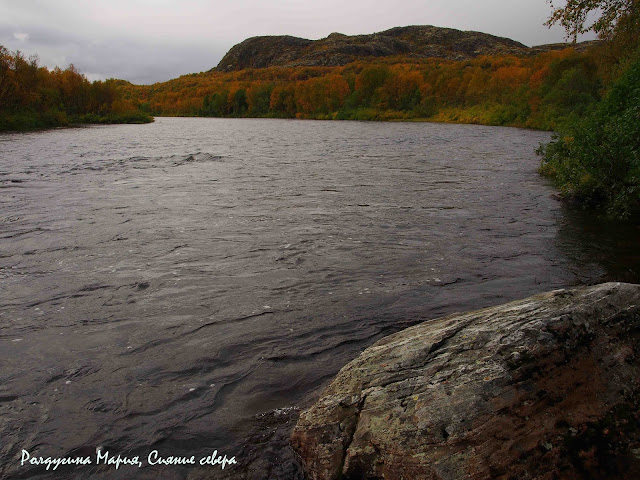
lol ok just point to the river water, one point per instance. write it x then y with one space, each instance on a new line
187 286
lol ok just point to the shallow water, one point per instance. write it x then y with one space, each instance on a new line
188 285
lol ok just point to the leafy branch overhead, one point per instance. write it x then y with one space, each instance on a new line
574 16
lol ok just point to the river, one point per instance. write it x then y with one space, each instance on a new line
188 285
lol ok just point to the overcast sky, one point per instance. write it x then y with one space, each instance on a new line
147 41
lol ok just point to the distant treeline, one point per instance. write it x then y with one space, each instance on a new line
538 91
34 97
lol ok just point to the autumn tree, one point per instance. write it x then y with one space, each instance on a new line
7 76
34 97
239 102
368 81
258 99
282 102
401 89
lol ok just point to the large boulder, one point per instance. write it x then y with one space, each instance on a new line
541 388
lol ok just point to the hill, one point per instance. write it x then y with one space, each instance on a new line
416 41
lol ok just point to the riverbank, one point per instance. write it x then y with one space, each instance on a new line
595 160
28 122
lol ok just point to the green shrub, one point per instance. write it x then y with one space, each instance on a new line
596 159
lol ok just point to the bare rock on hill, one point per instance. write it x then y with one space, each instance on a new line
542 388
338 49
578 47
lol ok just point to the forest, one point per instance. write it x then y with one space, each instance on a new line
33 97
536 91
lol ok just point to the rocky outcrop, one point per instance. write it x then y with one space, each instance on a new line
338 49
417 41
541 388
262 52
578 47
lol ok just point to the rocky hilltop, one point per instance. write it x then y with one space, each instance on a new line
338 49
542 388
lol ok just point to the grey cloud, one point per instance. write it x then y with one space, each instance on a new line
99 58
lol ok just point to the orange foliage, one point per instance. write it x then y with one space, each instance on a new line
416 87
